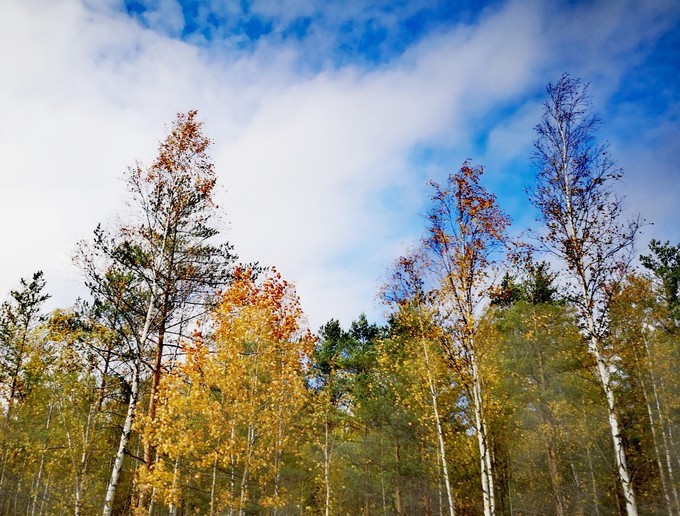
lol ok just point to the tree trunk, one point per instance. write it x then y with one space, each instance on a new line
438 425
149 449
655 439
398 508
172 510
124 440
482 438
442 448
213 484
42 464
593 483
617 438
244 478
662 426
327 452
551 454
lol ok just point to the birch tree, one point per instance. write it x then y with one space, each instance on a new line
405 289
466 228
584 229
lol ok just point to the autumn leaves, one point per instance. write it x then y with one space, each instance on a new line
234 402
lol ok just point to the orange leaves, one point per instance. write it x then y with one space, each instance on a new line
272 307
182 170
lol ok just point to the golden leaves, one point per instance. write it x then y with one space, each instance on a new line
234 400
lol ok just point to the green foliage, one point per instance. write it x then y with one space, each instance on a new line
664 262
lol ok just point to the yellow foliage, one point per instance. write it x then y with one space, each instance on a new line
233 401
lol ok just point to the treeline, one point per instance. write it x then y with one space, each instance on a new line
533 377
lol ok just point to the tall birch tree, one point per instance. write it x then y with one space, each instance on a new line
466 229
584 229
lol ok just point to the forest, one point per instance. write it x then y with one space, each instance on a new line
533 374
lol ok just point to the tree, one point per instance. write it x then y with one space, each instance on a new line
466 229
155 274
638 330
19 319
229 412
454 273
537 349
415 314
582 218
664 262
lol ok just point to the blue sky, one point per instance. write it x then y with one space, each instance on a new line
328 118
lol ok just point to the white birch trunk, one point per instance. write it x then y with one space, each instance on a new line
172 510
602 366
440 433
482 439
212 487
134 394
617 439
124 440
662 426
327 451
657 451
42 464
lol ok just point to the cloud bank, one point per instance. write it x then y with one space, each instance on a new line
324 136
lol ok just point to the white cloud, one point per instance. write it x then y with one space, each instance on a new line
305 157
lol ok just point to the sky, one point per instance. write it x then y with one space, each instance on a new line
328 118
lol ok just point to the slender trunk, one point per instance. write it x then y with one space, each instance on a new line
4 461
548 418
397 485
662 426
124 440
43 498
277 461
244 478
382 478
172 510
482 438
655 440
232 471
16 497
251 432
213 484
152 501
593 483
617 438
438 425
149 450
554 477
367 470
42 463
81 468
134 394
327 451
442 448
440 497
384 494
